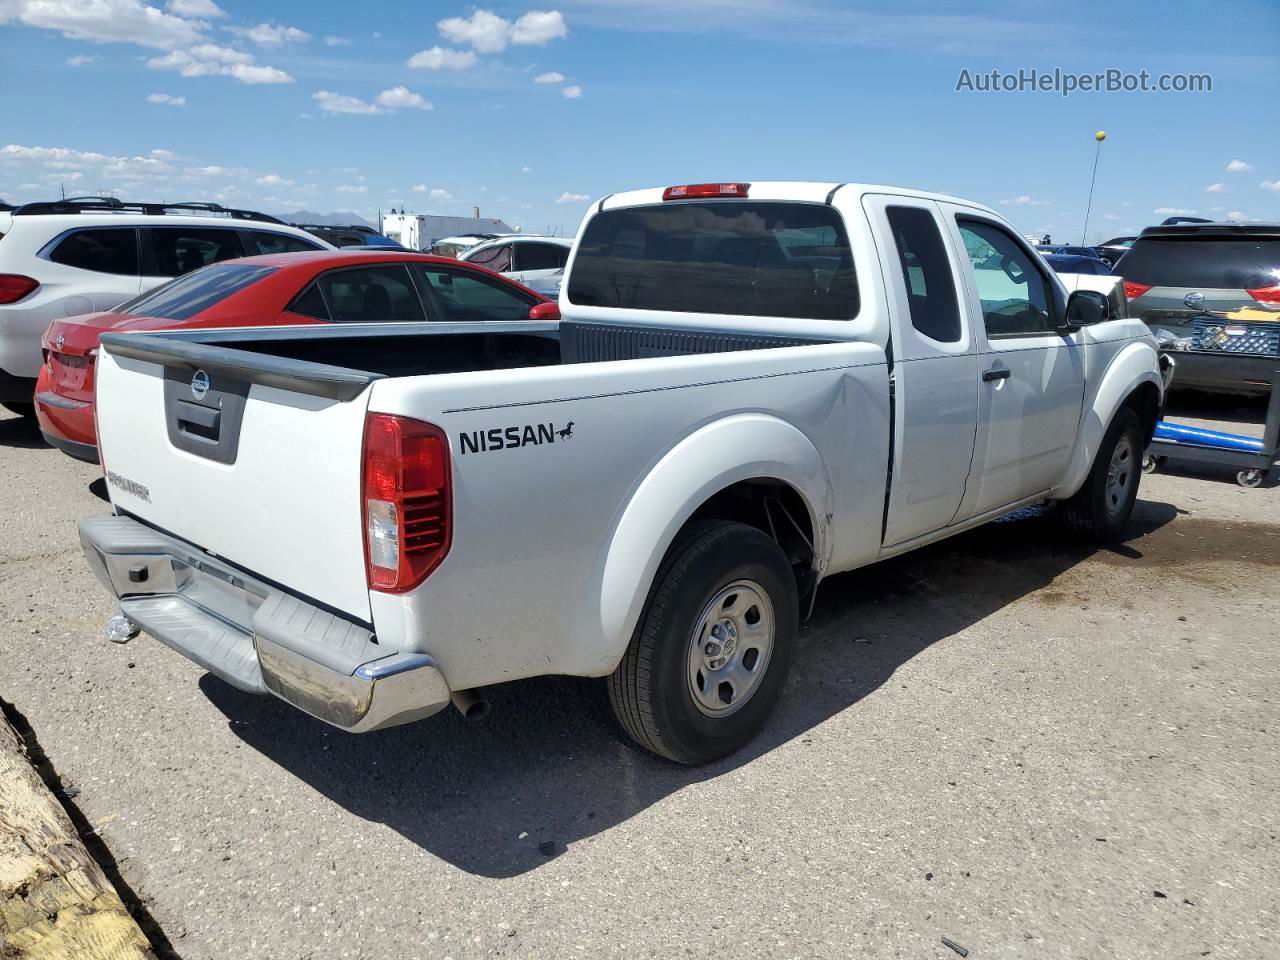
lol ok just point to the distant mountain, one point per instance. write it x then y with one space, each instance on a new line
337 219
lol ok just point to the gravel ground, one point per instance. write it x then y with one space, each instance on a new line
1031 748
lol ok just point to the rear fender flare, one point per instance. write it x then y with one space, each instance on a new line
716 456
1134 365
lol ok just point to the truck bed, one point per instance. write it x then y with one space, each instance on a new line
340 360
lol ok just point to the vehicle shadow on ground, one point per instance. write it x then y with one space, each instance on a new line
23 432
551 762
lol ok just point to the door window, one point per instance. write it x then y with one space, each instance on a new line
496 258
459 296
180 250
540 256
265 242
926 272
1015 295
310 303
383 294
110 250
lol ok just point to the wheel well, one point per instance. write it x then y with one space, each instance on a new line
775 508
1145 401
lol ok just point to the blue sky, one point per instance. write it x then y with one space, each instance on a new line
529 111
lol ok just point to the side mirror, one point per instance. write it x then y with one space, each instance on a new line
1084 307
546 312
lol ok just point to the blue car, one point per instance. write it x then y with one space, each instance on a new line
1070 263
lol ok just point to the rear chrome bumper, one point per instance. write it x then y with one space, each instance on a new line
256 637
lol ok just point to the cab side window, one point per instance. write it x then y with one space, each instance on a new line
263 241
180 250
926 272
496 258
540 256
1015 296
382 294
109 250
467 295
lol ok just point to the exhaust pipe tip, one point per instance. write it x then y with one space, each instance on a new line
469 705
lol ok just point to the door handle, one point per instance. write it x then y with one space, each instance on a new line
1003 373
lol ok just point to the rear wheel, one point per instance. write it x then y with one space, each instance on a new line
21 409
1100 510
713 646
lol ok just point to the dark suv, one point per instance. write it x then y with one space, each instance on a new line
1172 274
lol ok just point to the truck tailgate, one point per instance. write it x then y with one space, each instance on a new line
251 467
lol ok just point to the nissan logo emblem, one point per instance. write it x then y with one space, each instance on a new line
1194 300
199 384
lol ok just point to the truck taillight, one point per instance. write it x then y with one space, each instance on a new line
1134 290
14 286
406 499
1265 294
693 191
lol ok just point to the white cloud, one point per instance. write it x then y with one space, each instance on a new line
352 188
1216 188
1239 215
210 60
167 99
419 188
274 180
337 42
1024 201
79 60
105 21
195 8
568 197
397 97
1239 166
538 27
1272 185
442 58
571 93
164 154
387 101
526 169
486 32
341 103
551 77
1174 212
275 35
438 194
1110 216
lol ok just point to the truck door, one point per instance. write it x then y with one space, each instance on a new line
935 368
1031 386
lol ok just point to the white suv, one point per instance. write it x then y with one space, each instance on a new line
522 258
71 257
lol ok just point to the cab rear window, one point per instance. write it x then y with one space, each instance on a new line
183 298
750 258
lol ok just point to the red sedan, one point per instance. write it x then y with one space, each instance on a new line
290 288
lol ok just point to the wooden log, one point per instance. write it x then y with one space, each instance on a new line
55 901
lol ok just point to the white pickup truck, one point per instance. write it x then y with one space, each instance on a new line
744 389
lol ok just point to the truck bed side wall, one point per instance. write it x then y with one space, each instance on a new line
570 482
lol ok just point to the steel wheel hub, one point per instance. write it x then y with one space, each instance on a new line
1120 475
729 648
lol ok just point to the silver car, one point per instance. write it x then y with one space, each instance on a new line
1174 274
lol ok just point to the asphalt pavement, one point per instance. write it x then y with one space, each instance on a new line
1031 748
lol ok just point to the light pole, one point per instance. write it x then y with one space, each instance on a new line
1099 137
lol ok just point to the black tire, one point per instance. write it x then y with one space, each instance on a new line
1096 512
651 690
21 409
